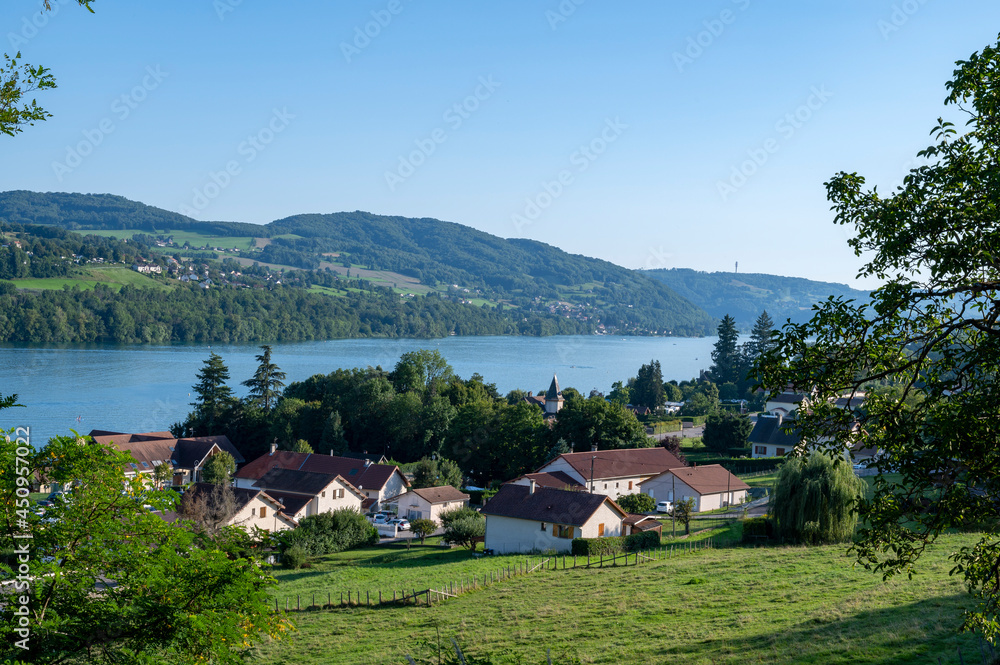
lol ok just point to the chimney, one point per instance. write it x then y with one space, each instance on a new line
331 453
531 485
368 463
274 446
593 448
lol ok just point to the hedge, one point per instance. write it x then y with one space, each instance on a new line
479 497
756 528
616 544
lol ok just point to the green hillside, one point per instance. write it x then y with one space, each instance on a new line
408 255
744 296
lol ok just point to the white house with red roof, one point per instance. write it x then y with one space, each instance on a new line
429 502
377 482
305 493
529 518
711 486
613 473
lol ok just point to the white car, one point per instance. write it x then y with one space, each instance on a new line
401 524
665 507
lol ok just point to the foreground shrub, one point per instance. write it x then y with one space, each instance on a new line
327 533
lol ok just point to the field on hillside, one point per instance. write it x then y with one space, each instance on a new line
180 237
737 605
91 276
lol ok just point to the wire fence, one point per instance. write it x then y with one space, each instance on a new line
425 595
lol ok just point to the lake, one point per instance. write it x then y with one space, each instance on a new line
147 388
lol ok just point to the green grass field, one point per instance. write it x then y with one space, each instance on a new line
180 237
91 276
730 606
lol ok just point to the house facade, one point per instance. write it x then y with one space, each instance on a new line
711 486
377 482
613 473
429 502
254 508
186 456
305 493
529 518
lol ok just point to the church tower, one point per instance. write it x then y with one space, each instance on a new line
553 398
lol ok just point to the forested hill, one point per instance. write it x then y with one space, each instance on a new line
744 296
449 258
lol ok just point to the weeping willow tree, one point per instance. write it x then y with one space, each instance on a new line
815 498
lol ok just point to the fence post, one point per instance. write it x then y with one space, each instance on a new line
329 598
428 598
341 598
298 603
368 598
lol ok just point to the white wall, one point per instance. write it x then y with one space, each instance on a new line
507 535
249 516
614 488
661 488
606 515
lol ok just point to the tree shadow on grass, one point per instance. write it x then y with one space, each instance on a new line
919 633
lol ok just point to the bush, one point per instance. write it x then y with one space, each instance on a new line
616 544
294 557
756 528
637 503
450 516
466 530
327 533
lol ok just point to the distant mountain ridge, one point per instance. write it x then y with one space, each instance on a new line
745 295
520 273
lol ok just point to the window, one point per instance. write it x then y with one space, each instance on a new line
600 530
323 494
760 450
630 484
263 512
543 526
779 452
560 531
253 512
605 486
616 485
340 494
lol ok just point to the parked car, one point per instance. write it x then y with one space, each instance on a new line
401 524
379 518
665 507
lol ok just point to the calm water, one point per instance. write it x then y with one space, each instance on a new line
147 388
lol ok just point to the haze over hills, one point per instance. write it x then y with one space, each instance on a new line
418 256
452 259
744 295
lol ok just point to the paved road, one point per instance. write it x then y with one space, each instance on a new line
686 433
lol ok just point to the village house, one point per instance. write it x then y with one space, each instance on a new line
529 518
711 486
186 456
556 480
377 482
551 402
613 473
253 508
429 502
305 493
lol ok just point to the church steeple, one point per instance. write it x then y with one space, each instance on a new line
553 397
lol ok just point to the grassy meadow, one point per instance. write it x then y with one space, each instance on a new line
733 605
90 276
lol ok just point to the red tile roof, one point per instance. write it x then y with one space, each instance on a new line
372 477
622 462
708 479
442 494
547 505
559 480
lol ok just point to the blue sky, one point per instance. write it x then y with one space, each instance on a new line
650 134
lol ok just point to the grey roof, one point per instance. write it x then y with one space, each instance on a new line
774 431
297 482
546 505
553 391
